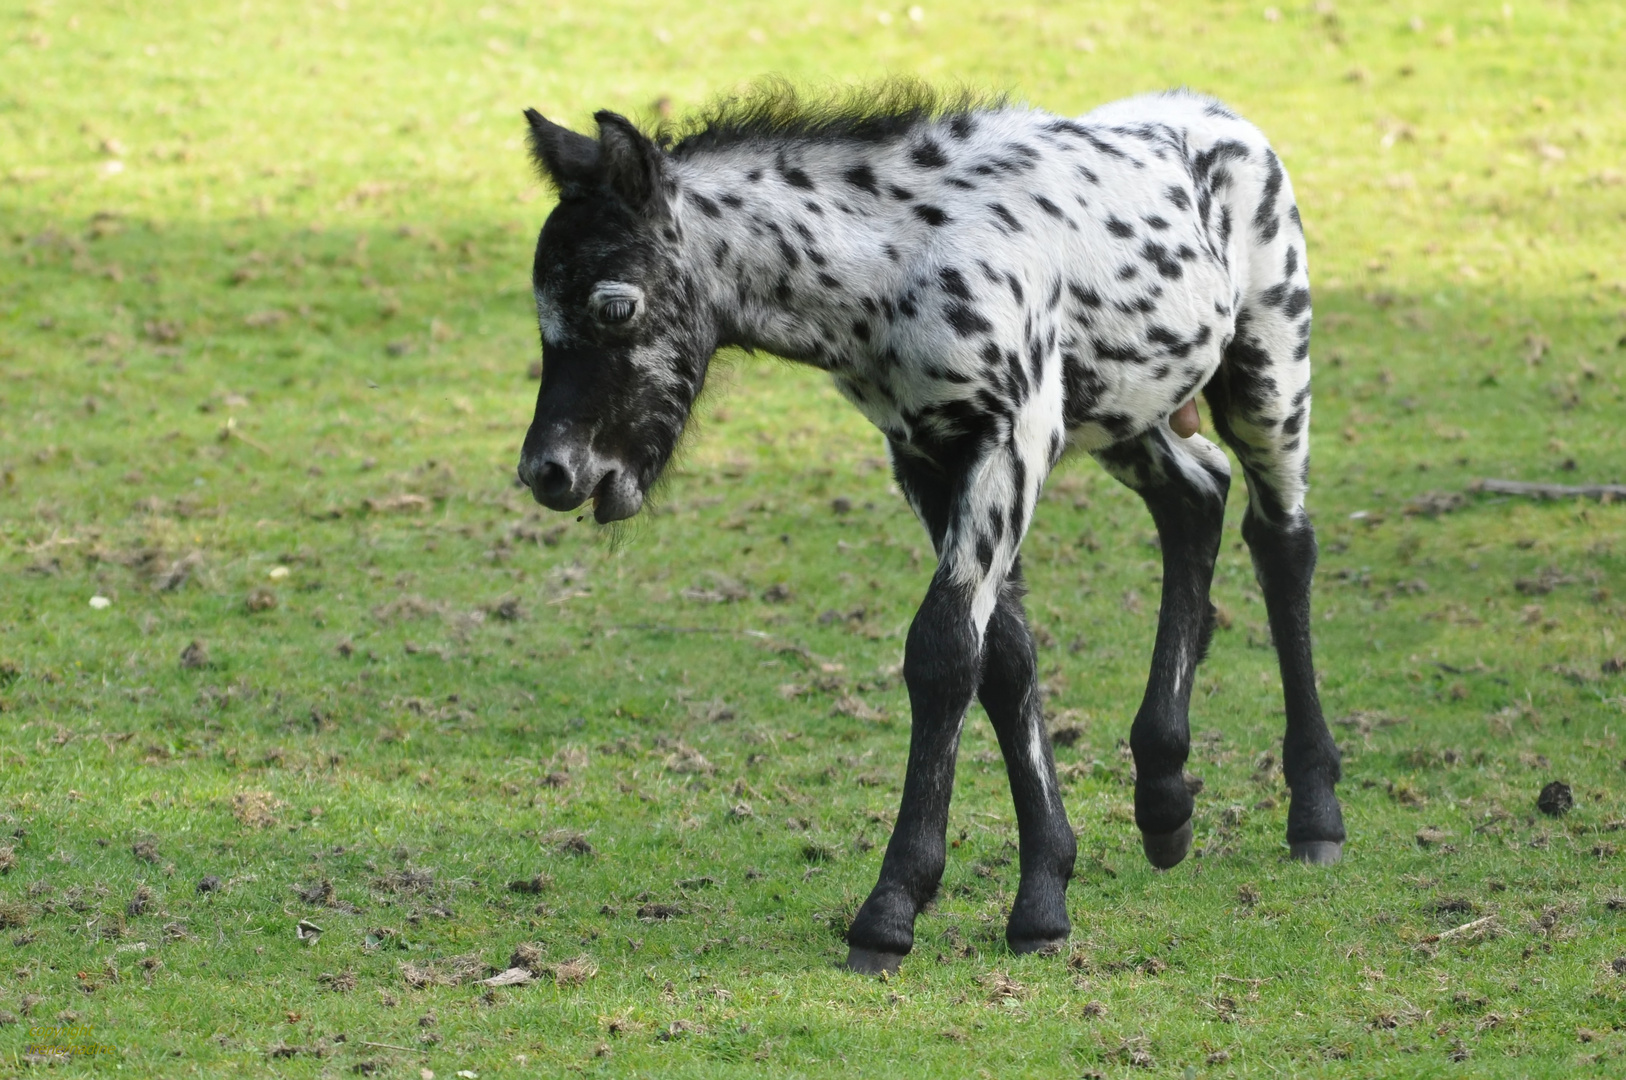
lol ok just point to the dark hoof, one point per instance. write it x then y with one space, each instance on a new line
870 962
1317 852
1164 850
1042 946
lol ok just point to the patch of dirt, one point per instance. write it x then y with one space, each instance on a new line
1001 988
318 893
139 902
541 883
688 761
406 881
340 983
8 858
405 502
568 842
260 600
451 971
256 809
195 655
660 912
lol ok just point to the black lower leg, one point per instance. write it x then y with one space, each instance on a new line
1284 557
941 661
1189 517
1010 694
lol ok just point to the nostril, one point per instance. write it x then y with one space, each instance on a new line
553 478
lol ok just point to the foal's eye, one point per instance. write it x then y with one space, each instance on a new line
617 311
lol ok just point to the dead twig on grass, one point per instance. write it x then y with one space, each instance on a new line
1605 492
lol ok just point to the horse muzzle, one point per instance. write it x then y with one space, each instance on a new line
562 478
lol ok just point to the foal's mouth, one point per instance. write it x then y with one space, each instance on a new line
617 497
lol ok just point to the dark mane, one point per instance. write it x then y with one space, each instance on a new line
775 110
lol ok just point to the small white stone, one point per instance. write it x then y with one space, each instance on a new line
917 13
100 603
278 573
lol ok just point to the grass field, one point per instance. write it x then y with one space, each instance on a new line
264 339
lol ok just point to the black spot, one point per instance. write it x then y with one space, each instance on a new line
788 253
1225 225
1298 223
797 178
803 231
754 175
961 126
1088 297
1142 305
829 282
719 253
1006 217
931 215
1155 222
1215 109
958 182
1178 196
954 283
1105 350
1087 173
861 330
707 207
1159 256
814 207
1298 302
1016 287
782 291
966 321
906 307
928 155
733 202
891 252
1128 272
1301 351
1047 206
1290 264
815 256
985 553
991 354
1120 228
863 178
901 194
1265 219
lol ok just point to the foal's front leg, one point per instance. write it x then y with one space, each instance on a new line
1010 694
941 665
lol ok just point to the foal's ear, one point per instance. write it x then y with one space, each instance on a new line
633 165
564 158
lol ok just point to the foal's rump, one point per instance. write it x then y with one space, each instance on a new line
1243 202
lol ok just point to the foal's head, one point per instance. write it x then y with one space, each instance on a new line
624 340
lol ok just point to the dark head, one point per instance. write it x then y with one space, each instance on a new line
625 342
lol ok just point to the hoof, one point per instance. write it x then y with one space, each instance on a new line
1042 946
1317 852
870 962
1165 850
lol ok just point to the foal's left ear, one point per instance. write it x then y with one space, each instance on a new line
634 167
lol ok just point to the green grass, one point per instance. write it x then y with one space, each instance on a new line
262 264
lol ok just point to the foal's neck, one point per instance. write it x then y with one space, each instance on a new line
784 253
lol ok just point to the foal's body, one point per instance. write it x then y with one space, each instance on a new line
993 288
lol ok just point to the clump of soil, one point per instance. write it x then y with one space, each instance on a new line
195 655
1555 799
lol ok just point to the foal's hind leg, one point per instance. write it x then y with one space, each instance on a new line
1260 401
1183 483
